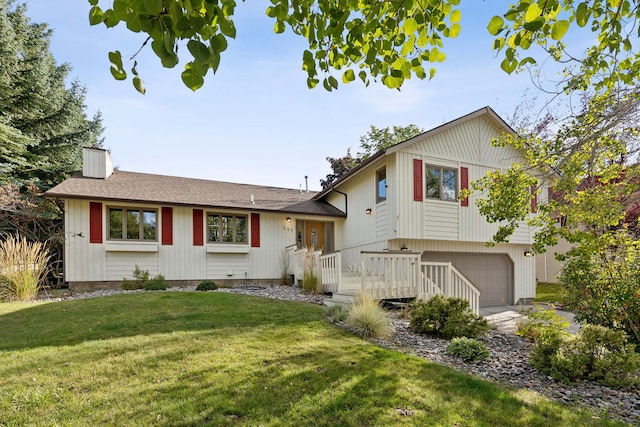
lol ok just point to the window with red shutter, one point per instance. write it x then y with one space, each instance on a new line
255 230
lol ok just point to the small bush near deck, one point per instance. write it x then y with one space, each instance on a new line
23 265
467 349
367 318
446 318
158 283
595 354
310 282
539 321
206 285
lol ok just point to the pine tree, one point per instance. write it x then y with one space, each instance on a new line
43 124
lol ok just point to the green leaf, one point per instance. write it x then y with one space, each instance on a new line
333 82
348 76
199 50
218 43
495 25
559 29
533 12
534 25
168 59
153 7
454 31
508 66
117 71
311 83
192 77
455 17
93 2
227 27
582 14
432 73
139 85
95 15
279 27
410 26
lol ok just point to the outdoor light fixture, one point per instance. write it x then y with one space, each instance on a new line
528 253
289 219
368 211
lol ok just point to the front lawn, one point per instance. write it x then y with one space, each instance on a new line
194 359
549 292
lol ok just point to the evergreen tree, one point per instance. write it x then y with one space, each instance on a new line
43 124
43 127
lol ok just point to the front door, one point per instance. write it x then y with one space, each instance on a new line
314 235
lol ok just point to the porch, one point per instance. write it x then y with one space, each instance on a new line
385 275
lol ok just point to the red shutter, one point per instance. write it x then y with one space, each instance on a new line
255 230
534 199
417 180
464 184
95 222
198 228
167 226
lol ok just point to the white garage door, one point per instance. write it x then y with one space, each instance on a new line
491 273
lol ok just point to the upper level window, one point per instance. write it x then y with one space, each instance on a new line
132 224
441 183
226 228
381 189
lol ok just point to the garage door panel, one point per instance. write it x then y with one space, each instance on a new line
492 274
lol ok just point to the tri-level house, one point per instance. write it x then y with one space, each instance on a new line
394 226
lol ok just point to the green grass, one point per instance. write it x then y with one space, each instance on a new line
196 359
548 292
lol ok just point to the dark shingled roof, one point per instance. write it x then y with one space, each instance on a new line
170 190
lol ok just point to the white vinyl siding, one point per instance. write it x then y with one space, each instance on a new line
120 265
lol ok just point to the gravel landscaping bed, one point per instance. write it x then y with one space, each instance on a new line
508 361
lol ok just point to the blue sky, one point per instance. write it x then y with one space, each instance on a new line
255 121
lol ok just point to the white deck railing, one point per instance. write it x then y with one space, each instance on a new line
443 278
331 272
387 275
390 275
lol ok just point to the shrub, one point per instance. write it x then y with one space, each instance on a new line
595 354
23 265
367 318
468 349
158 283
602 288
310 282
142 280
538 321
446 318
206 285
337 313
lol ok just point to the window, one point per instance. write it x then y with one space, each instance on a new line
381 189
132 224
226 228
441 183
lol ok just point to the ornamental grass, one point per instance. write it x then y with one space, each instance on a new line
367 318
23 265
